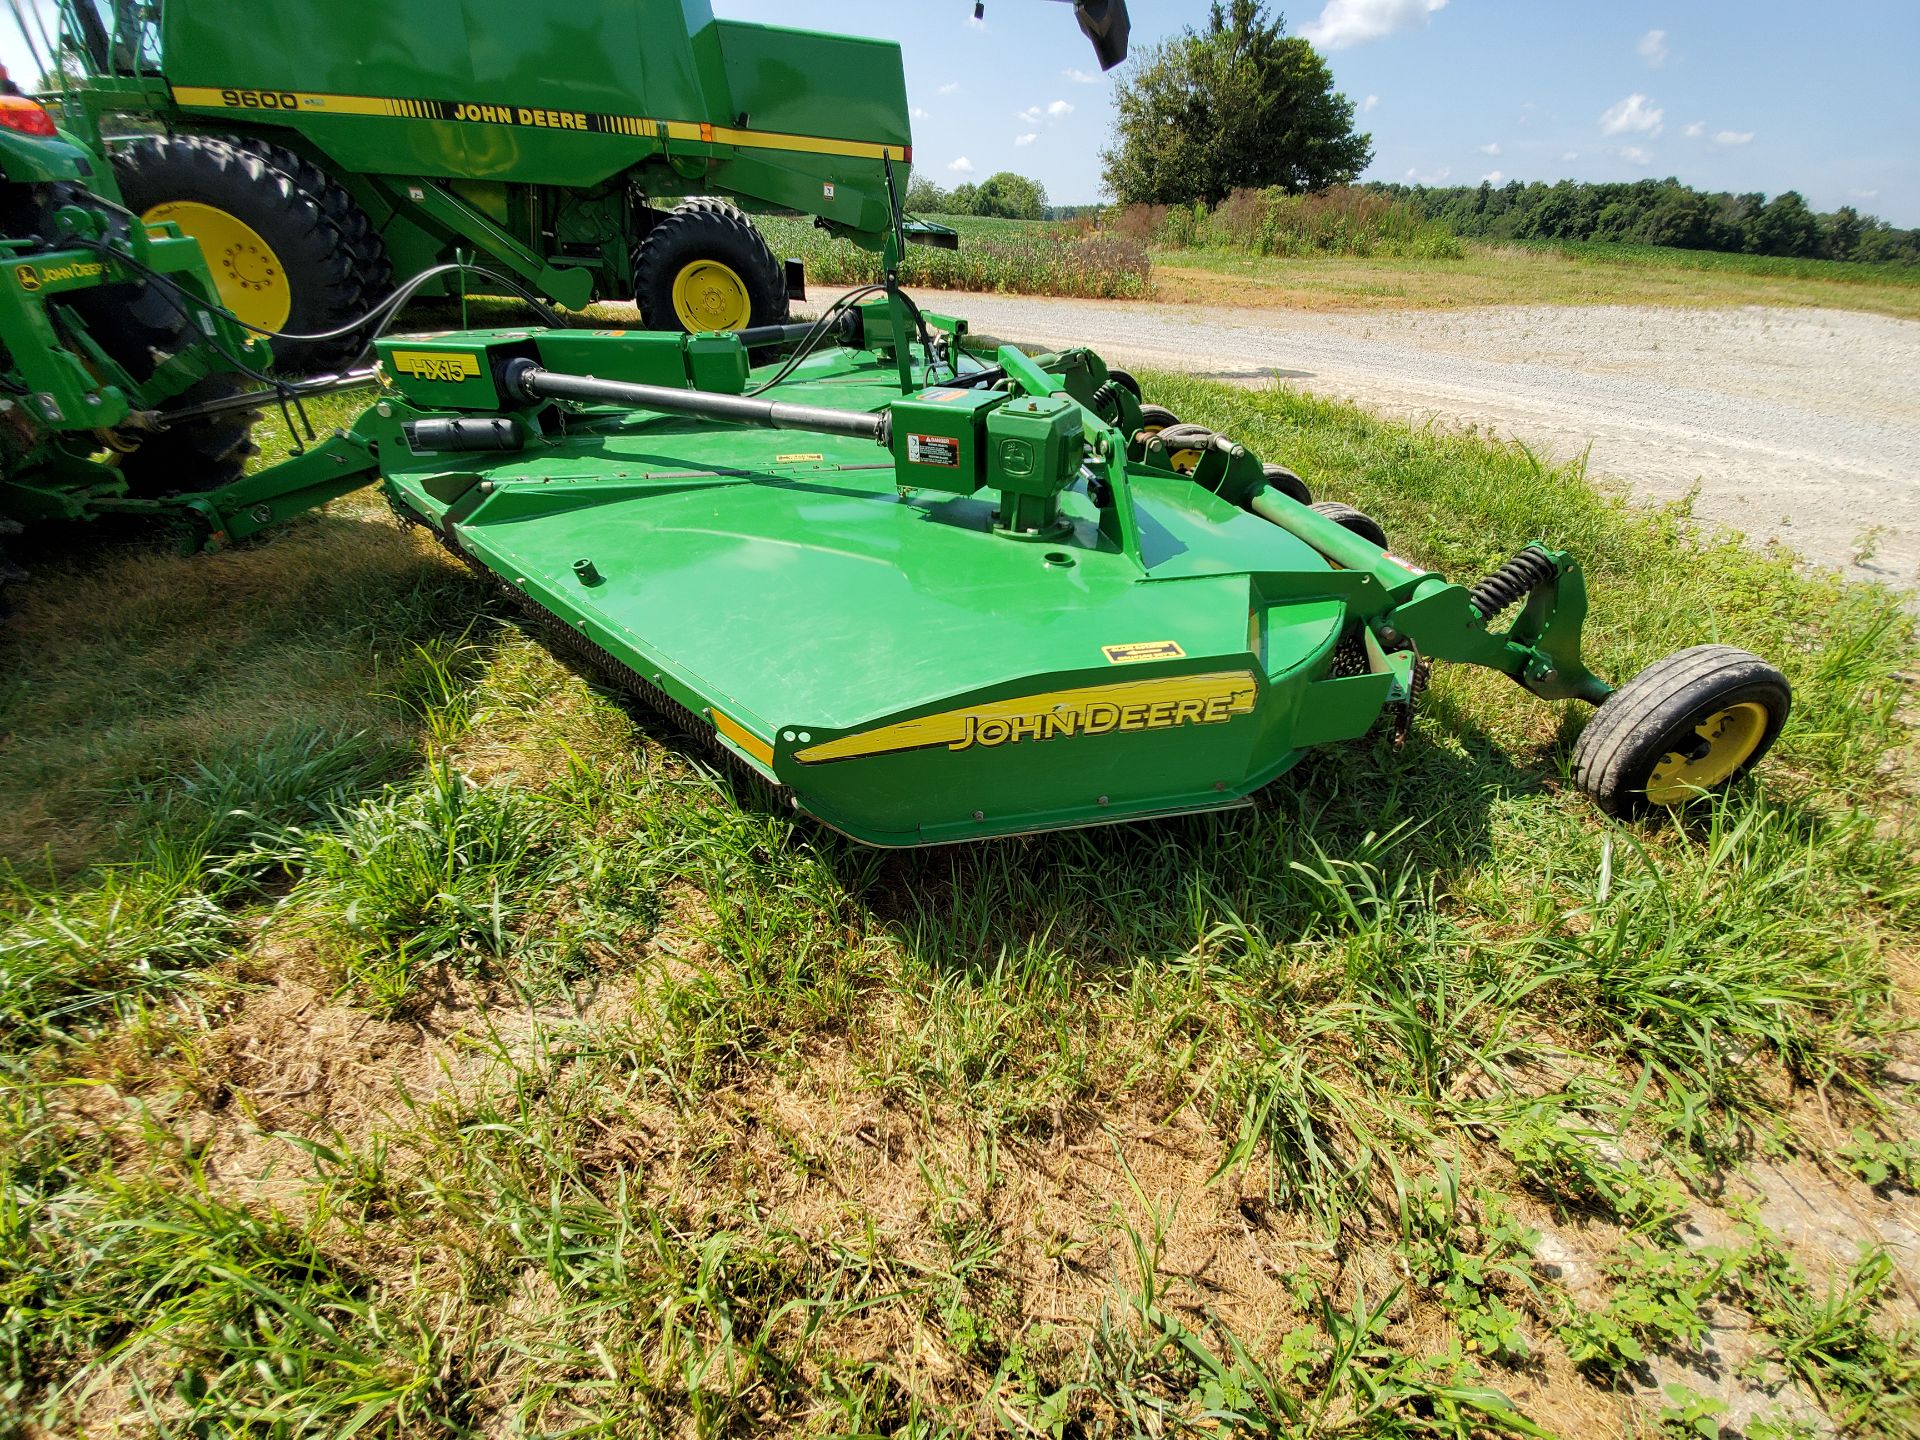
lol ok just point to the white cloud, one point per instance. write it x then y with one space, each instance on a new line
1492 177
1368 103
1634 155
1080 77
1695 130
1653 48
1635 115
952 87
1492 147
960 165
1029 116
1435 178
1354 22
918 112
1059 108
1027 139
1569 157
1863 194
1733 137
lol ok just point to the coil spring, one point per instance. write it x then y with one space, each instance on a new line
1106 400
1519 576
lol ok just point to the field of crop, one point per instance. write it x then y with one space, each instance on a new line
1022 257
399 1036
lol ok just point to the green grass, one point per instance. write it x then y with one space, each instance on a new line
399 1036
1513 274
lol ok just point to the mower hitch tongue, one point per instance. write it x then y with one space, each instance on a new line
935 591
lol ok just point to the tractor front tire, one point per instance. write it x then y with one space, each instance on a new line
704 267
278 244
199 455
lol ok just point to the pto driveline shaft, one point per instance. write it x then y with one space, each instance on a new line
530 382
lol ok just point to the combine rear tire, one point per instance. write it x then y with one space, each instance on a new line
279 244
704 267
1358 521
364 245
1687 725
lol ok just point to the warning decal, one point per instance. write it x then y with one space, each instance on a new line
942 450
1140 650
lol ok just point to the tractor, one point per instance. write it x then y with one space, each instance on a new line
317 150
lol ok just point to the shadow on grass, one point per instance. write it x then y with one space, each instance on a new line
128 663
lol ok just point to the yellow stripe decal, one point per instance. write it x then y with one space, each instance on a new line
307 102
1161 704
751 743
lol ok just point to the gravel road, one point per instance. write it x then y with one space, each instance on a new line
1801 425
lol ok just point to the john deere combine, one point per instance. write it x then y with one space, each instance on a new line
927 588
316 150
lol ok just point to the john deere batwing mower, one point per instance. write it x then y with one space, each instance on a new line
316 150
924 587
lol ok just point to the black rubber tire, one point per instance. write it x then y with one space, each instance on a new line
1157 417
320 263
1358 521
370 261
1280 478
196 457
1125 380
705 227
9 572
1656 713
1183 439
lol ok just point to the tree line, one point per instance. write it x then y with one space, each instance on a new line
1005 196
1661 212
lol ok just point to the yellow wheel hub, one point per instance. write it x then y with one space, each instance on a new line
249 276
1185 462
708 295
1720 745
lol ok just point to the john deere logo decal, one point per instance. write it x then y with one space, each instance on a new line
1161 704
32 277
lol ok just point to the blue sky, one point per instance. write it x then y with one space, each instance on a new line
1762 95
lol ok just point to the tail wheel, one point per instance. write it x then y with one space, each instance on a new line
275 242
1291 485
704 267
1358 521
1154 419
1185 444
1687 725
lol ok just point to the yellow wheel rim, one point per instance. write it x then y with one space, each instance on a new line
1720 745
710 296
249 276
1185 462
